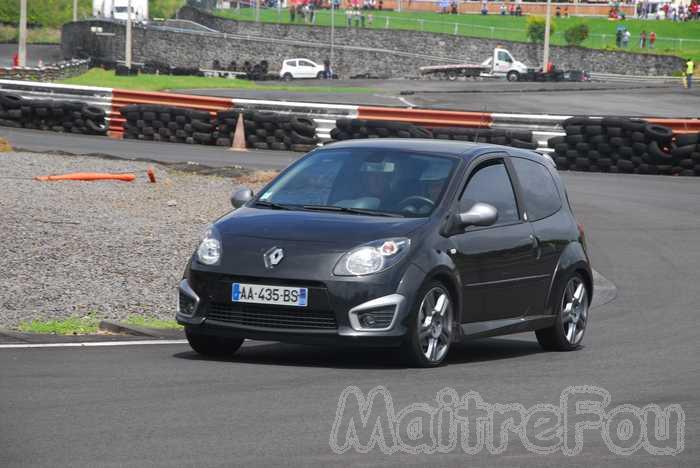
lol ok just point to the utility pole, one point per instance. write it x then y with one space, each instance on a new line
127 52
332 30
22 52
75 10
547 20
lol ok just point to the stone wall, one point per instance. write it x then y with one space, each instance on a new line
357 51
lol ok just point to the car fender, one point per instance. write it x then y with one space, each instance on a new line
436 263
573 258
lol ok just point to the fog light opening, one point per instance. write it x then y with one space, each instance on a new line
367 320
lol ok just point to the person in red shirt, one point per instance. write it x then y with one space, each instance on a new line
652 39
15 60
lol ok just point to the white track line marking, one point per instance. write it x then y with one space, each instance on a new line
92 344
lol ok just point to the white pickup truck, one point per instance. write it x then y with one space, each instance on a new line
500 64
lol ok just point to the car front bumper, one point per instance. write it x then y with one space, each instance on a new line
337 311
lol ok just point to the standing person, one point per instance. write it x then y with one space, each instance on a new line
690 69
327 74
292 13
643 39
15 59
618 38
626 38
652 39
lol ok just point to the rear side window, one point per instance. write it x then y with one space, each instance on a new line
540 194
491 184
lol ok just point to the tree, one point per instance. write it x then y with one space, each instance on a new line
576 34
535 28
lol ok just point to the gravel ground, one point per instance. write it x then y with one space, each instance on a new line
108 248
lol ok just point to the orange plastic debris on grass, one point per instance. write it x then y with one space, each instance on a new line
88 176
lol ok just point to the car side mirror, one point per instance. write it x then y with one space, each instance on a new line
481 214
241 196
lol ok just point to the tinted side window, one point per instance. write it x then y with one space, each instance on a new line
491 184
540 194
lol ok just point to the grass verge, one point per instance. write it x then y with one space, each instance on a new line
673 38
151 322
99 77
69 326
90 325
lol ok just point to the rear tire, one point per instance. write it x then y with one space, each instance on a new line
431 327
572 317
213 346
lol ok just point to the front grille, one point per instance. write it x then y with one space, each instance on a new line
272 317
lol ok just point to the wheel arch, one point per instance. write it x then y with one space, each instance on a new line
452 283
572 260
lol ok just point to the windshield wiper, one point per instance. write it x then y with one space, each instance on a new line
272 205
344 209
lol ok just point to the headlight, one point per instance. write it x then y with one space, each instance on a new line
209 250
372 258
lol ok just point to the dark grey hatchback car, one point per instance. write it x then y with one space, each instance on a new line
410 243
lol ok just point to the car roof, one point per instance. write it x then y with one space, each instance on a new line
460 149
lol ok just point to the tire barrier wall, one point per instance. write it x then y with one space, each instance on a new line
263 130
543 127
51 72
58 115
624 145
352 129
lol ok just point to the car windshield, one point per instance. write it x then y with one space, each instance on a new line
363 181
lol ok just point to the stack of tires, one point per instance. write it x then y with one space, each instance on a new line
496 136
169 124
353 129
269 130
50 114
624 145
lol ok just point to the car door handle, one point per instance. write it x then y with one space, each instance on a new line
536 246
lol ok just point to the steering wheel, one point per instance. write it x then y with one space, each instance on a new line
424 201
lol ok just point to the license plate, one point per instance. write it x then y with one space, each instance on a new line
273 295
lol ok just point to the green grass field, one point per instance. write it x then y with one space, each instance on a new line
671 38
99 77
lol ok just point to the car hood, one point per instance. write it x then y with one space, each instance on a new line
340 230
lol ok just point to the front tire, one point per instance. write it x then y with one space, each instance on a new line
431 327
513 76
287 77
572 318
213 346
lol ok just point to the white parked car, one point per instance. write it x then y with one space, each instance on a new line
300 68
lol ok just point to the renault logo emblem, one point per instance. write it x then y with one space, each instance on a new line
273 256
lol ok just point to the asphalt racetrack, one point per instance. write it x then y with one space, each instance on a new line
565 98
275 404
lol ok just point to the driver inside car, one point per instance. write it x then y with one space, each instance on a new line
375 180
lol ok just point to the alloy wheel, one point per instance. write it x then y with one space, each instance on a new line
574 310
435 324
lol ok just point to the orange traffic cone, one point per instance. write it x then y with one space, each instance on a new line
239 135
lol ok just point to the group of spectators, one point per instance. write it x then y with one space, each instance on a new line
689 12
355 10
623 36
513 10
